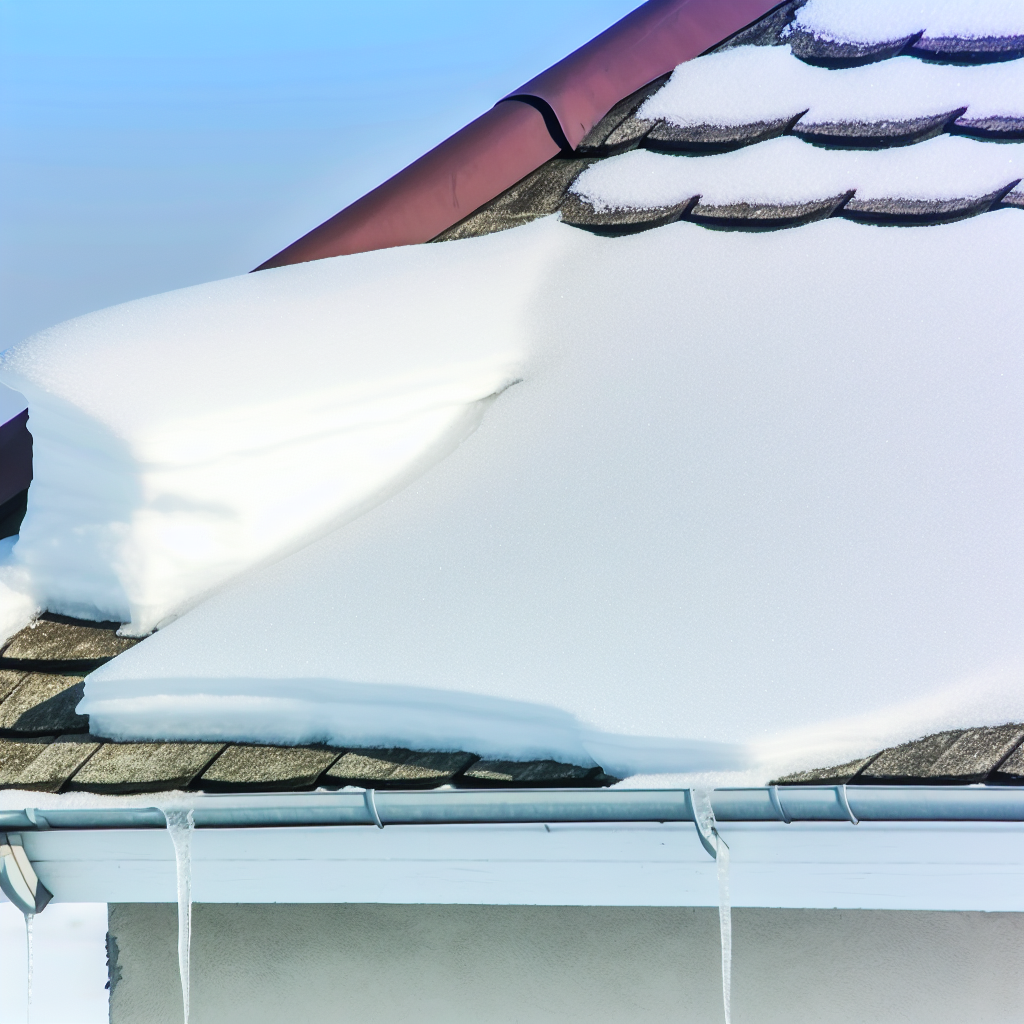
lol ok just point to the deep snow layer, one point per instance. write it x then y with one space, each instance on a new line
757 502
748 84
879 21
181 439
787 170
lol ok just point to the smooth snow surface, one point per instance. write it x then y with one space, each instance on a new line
786 170
11 403
184 438
879 21
717 89
757 501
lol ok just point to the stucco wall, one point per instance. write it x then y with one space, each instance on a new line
389 963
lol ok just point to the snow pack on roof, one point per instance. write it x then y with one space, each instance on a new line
181 439
755 501
870 21
787 170
767 83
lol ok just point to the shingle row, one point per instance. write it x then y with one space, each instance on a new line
959 756
46 746
798 25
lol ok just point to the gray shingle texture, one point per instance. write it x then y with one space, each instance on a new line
43 703
56 762
397 767
143 767
254 766
59 639
528 773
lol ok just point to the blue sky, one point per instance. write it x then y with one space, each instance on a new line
152 144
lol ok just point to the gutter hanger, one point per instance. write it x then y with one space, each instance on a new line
549 114
540 806
18 878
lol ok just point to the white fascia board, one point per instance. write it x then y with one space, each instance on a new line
872 865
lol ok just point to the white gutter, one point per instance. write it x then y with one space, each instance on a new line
493 806
912 848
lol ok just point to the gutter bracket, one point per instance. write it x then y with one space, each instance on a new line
371 807
776 798
844 802
704 820
18 878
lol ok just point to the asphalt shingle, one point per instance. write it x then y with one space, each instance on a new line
143 767
42 703
528 773
835 775
254 766
56 763
581 214
17 754
57 638
397 767
909 760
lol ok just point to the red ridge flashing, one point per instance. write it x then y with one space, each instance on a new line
648 42
477 163
508 142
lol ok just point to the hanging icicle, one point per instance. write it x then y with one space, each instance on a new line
179 827
29 920
707 830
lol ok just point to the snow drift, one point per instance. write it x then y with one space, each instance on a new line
757 501
184 438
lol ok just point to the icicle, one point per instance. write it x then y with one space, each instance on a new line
179 826
724 922
29 918
707 830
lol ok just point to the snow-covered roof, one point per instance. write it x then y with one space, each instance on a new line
734 500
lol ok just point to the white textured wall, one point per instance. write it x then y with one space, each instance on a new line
389 963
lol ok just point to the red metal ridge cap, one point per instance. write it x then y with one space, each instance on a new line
434 192
648 42
512 139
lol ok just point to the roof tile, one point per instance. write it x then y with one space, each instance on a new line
56 638
909 760
44 703
18 754
975 754
397 767
56 763
254 766
836 775
527 773
143 767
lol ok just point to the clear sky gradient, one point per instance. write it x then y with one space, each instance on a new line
152 144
